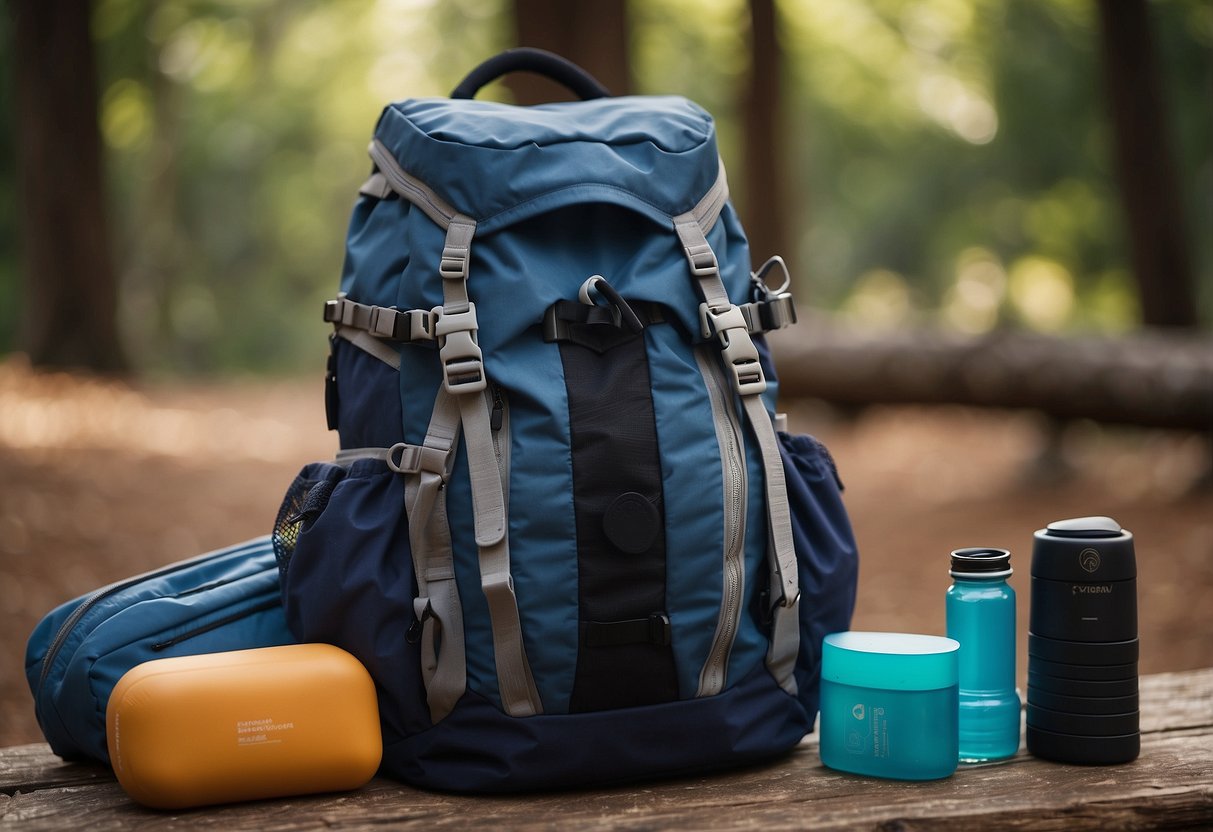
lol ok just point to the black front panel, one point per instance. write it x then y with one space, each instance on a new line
624 657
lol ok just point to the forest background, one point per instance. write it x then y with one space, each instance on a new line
997 216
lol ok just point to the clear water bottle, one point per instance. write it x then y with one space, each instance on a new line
981 616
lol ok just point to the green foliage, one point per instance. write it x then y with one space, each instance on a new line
951 157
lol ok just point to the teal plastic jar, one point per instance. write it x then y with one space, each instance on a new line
889 704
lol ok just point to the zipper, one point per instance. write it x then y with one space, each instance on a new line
732 457
101 594
499 423
216 624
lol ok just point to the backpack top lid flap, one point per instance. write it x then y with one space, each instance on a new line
542 157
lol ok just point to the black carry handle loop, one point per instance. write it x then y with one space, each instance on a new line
539 61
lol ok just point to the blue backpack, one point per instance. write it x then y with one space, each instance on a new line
563 532
229 599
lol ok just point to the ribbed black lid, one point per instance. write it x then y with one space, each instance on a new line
1084 549
980 562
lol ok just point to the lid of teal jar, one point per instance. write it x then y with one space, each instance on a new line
890 661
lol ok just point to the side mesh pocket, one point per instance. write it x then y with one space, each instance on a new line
305 499
826 554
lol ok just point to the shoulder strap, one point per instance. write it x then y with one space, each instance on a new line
726 321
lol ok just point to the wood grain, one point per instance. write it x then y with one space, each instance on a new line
1169 786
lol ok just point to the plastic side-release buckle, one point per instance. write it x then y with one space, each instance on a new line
462 360
737 348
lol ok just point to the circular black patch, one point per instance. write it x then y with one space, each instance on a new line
631 522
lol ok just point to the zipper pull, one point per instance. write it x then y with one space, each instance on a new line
498 414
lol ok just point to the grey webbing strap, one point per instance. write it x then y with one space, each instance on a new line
381 321
368 343
708 209
744 370
456 258
410 187
437 607
376 185
781 551
464 380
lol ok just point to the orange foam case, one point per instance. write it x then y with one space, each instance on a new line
249 724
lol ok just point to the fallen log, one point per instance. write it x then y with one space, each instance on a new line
1147 378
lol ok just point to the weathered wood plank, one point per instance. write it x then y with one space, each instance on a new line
1170 785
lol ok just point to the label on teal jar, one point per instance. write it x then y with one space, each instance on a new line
906 735
866 730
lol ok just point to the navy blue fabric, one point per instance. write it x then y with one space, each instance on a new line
369 413
350 582
479 749
826 554
225 600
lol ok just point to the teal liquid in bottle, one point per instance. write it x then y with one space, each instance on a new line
981 616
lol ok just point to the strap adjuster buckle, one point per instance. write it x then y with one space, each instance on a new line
454 263
462 360
384 322
703 260
773 313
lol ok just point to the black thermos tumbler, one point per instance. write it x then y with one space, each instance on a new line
1082 644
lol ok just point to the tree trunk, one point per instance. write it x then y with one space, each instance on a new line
1144 166
592 35
70 291
1153 379
765 209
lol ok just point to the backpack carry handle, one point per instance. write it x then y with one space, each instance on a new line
539 61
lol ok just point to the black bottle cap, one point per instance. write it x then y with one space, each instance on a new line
1085 527
979 563
1084 549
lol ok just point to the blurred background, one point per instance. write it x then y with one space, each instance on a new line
997 215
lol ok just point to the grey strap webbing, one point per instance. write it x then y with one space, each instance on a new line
381 321
743 369
464 380
437 607
368 343
409 187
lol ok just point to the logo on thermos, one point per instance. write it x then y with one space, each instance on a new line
1088 559
858 711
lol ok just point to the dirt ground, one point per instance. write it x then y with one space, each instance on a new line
100 481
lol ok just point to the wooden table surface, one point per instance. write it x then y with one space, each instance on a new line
1169 786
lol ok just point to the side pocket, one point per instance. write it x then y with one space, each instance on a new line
826 554
348 578
305 499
